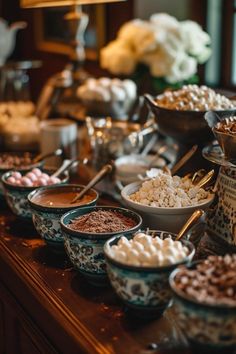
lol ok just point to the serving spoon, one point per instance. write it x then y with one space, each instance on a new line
197 214
189 223
41 157
67 165
97 178
205 179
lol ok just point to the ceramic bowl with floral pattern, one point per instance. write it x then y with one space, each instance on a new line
85 249
144 289
22 162
209 328
17 196
48 204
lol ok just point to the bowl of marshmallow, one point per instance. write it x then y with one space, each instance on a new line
108 97
139 265
180 113
164 201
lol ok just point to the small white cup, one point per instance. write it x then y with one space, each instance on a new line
58 133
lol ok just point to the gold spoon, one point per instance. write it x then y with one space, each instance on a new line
104 171
195 176
205 179
189 223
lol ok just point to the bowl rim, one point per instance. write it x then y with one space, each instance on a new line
162 210
18 168
38 207
179 294
215 131
101 235
151 269
8 185
154 104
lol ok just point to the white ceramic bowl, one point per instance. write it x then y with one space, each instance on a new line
168 219
128 167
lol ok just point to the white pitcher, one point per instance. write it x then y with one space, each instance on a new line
7 38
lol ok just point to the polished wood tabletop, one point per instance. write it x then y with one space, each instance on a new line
73 316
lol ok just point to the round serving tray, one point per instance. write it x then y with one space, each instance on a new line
214 153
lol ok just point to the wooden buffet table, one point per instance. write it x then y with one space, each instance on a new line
46 307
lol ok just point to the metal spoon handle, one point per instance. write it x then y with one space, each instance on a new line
189 223
105 170
66 165
205 179
162 149
41 157
184 159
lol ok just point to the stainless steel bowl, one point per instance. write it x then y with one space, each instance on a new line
188 127
226 141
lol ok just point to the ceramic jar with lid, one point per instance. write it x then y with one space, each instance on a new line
222 216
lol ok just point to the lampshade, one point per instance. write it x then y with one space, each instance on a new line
53 3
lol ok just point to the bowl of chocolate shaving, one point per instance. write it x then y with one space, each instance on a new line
85 232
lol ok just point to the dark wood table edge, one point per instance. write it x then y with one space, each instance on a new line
59 316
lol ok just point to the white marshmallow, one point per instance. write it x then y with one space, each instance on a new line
133 255
145 257
138 246
117 93
149 251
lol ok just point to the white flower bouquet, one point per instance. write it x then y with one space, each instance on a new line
171 49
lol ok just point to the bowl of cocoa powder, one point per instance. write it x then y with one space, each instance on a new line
205 303
85 232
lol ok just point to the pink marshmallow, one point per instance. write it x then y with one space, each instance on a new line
37 172
42 182
54 180
32 176
11 180
16 175
45 176
26 182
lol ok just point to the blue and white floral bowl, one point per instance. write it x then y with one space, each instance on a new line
17 196
46 219
208 328
26 168
145 290
85 249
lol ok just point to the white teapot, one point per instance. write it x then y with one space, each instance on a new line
7 38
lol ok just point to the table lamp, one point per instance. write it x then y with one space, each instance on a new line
73 74
76 19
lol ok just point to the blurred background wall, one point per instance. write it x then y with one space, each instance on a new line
114 16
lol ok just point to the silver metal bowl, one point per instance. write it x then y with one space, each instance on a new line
188 127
